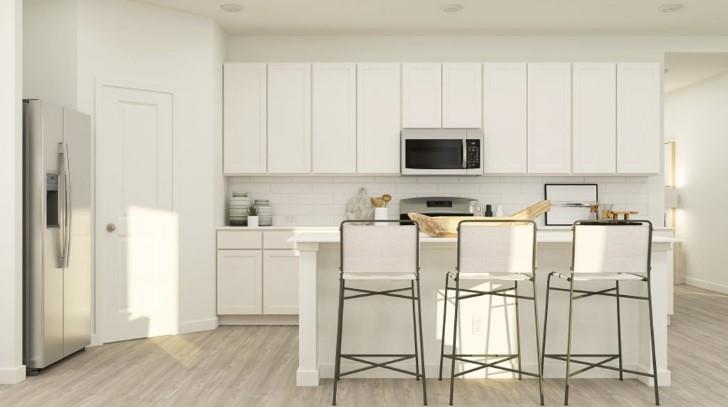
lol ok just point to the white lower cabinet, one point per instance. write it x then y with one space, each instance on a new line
256 281
239 278
280 282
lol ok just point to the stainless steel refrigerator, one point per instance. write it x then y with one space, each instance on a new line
57 233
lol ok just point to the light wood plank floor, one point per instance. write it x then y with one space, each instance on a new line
254 366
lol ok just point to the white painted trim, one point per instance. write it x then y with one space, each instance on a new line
308 377
706 285
12 375
242 320
198 325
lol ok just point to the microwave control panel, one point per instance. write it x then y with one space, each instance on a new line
473 154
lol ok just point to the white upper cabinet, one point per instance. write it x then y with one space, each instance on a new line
289 118
639 112
244 128
595 118
421 95
504 118
378 118
334 118
549 118
462 90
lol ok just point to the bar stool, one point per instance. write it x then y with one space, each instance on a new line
605 251
373 253
493 251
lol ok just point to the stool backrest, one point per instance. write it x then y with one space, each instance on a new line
612 247
496 246
368 247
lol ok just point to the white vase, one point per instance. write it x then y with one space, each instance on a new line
252 221
381 214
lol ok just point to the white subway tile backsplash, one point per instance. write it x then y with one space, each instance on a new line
321 200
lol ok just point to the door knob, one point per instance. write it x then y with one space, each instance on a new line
110 227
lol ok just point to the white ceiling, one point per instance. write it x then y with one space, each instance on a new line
630 17
685 69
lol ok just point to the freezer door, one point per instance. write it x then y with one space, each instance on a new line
42 233
77 276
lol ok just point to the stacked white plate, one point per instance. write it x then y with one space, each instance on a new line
238 209
265 212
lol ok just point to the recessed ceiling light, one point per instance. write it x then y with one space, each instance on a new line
231 7
670 8
451 8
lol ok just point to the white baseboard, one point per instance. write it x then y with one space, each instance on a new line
258 319
12 375
307 377
706 285
198 325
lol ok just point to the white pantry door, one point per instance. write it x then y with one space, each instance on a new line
136 227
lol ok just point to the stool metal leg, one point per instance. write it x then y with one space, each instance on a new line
619 333
545 322
454 338
414 329
568 340
538 347
337 362
422 345
652 340
444 322
518 331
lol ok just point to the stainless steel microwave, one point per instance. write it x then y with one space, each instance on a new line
442 152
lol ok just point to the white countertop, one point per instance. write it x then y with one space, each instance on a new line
331 235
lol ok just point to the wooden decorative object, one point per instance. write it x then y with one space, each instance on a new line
447 226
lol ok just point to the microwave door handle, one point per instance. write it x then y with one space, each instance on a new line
465 154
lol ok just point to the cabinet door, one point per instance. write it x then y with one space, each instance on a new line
334 118
595 118
462 89
244 125
239 282
504 118
639 112
378 118
289 118
549 118
421 95
280 282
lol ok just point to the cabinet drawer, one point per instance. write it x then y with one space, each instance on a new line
238 239
278 240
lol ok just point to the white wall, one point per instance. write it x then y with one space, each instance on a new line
49 51
695 118
11 258
139 43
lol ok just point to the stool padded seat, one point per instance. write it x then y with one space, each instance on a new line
603 276
495 276
379 277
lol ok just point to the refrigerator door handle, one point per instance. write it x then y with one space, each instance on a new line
67 206
66 224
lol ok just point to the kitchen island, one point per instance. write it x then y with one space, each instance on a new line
487 325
